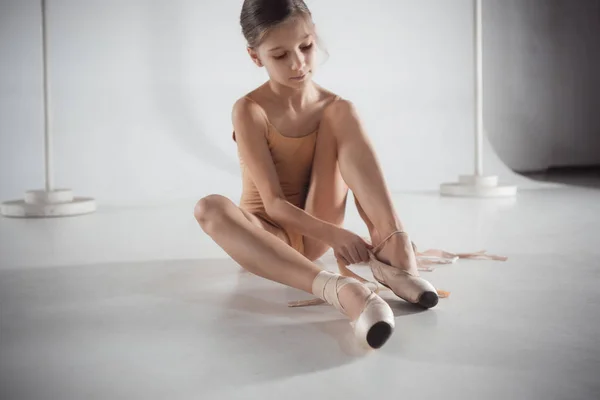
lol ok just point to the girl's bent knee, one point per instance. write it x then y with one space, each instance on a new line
209 209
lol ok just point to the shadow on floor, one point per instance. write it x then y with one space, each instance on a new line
588 177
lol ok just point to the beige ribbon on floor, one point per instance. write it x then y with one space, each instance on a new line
425 260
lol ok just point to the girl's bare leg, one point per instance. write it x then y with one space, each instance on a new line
246 240
361 171
326 200
327 193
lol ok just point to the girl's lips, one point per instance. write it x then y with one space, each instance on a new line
299 78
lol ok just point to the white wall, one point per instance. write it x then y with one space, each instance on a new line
142 93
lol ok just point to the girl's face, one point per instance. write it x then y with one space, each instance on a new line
288 52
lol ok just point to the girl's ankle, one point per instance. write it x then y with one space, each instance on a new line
353 298
398 252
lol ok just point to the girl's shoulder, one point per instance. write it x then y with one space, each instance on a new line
327 96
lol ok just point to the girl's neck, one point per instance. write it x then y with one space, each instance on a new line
294 98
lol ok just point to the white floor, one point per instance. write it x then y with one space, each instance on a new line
139 304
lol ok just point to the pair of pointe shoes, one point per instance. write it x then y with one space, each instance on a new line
375 324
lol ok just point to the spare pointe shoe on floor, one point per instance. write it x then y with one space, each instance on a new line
374 325
405 285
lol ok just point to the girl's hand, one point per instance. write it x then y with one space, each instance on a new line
349 248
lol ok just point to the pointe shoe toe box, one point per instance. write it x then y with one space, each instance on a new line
376 323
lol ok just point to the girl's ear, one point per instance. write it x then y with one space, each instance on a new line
254 56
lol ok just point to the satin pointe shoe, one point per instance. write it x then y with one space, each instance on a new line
374 325
405 285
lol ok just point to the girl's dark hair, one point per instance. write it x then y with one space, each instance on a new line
259 16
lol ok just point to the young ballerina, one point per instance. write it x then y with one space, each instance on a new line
301 149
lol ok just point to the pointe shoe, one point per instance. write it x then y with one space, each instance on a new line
374 325
405 285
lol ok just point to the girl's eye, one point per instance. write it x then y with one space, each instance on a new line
303 48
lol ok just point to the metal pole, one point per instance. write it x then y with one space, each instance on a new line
478 89
47 119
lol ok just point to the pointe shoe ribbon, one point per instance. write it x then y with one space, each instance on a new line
344 271
441 257
424 261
